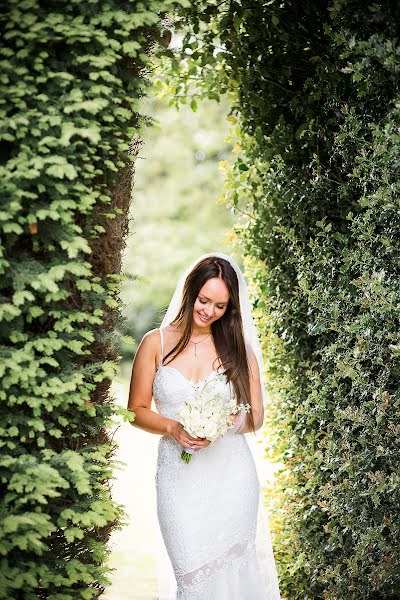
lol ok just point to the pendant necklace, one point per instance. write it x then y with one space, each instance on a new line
195 343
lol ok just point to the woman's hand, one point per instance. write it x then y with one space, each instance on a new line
234 417
185 439
238 425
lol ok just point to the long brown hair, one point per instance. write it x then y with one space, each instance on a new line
227 331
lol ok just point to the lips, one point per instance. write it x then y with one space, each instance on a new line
203 319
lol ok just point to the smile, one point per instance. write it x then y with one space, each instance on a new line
203 319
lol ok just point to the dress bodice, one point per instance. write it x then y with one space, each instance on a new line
171 389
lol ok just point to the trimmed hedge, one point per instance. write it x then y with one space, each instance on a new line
71 77
315 91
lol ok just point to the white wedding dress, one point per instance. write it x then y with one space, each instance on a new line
209 510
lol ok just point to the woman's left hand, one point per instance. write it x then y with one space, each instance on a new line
200 443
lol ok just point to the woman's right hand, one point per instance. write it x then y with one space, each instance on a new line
184 438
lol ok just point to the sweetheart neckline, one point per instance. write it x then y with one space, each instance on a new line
184 376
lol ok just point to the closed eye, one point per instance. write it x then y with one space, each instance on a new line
204 302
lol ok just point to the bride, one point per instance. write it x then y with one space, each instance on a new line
214 530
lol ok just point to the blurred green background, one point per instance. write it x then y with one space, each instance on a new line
175 214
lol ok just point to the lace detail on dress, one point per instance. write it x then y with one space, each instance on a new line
170 388
237 556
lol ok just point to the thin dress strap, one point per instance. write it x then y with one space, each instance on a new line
162 346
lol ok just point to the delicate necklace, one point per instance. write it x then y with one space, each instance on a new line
195 343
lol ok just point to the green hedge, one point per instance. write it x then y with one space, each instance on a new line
72 74
315 91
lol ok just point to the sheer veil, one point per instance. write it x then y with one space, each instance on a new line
265 557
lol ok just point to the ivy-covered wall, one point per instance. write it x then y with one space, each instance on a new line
71 76
316 108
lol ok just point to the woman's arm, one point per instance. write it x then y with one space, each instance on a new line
256 398
141 387
141 393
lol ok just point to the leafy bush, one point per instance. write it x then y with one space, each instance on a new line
316 108
71 76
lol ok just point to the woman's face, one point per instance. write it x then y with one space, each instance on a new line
211 302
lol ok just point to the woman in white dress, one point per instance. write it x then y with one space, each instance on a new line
210 511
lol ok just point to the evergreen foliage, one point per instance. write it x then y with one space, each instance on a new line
316 109
71 76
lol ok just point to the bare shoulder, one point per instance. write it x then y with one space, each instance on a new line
152 335
147 350
250 351
253 362
170 329
150 342
170 334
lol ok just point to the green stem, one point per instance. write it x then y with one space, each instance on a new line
186 456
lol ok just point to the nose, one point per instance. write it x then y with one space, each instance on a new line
209 312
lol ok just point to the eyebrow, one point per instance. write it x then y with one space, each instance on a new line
203 296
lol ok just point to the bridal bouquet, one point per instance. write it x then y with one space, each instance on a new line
206 413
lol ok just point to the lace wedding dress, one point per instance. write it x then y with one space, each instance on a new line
209 510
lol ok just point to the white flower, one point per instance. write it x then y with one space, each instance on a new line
206 413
